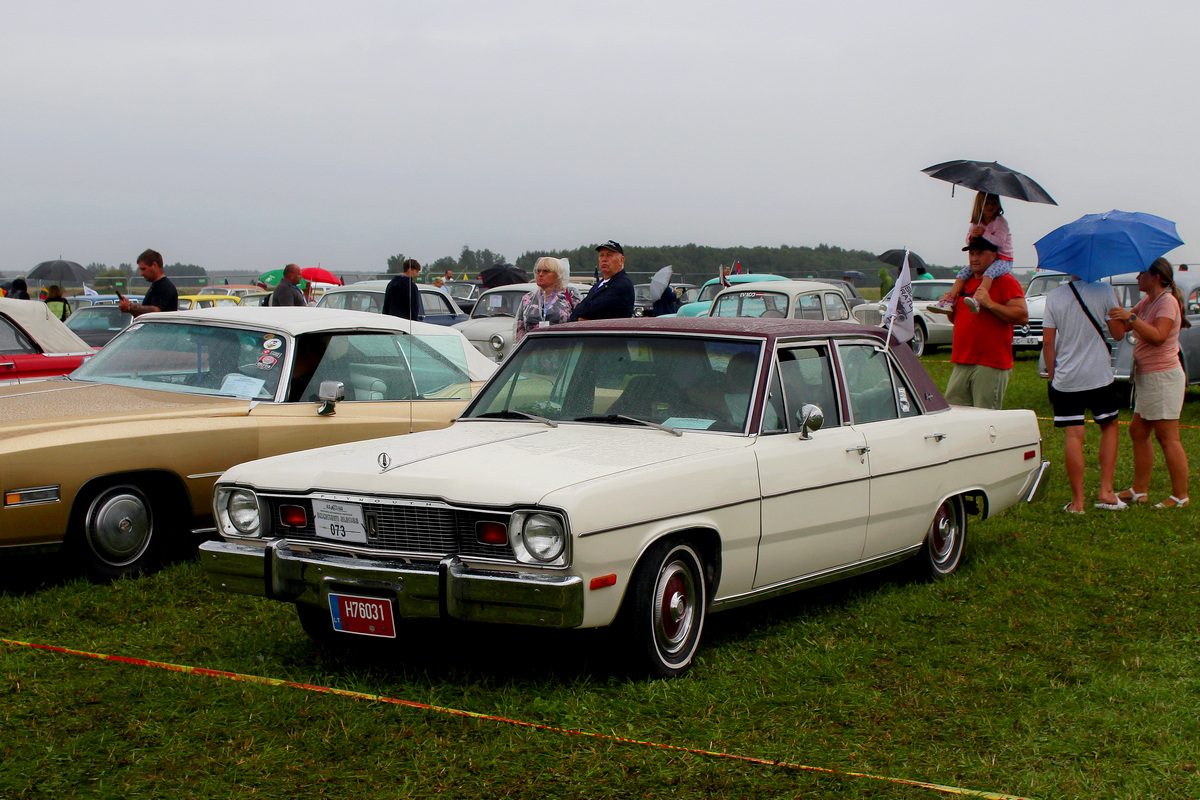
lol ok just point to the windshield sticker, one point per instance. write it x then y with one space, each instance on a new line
272 344
905 406
495 301
242 386
266 362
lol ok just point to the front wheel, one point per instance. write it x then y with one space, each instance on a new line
917 342
120 535
942 553
669 602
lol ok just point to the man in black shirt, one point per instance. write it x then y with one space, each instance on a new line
402 298
612 297
162 294
288 293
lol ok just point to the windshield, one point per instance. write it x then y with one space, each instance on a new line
1043 284
99 318
460 291
684 383
191 359
709 292
498 304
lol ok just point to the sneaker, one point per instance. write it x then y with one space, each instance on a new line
972 304
941 307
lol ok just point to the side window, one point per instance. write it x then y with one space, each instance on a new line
807 378
874 394
434 304
808 306
775 412
1193 302
835 307
13 342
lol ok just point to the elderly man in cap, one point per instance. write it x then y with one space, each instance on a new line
982 349
612 297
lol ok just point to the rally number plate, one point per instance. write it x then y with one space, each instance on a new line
366 616
340 522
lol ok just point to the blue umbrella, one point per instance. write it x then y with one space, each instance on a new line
1098 245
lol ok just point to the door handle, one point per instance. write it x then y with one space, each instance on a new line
8 364
937 437
862 451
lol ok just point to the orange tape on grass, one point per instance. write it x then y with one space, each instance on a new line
234 676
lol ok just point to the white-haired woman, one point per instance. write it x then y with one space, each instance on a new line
552 302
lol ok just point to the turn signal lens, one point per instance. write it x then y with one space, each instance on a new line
293 516
491 533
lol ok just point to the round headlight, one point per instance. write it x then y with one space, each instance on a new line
543 536
243 511
497 341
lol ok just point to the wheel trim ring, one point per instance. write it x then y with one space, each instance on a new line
119 526
943 534
674 608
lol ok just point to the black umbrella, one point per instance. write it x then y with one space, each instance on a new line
58 272
502 275
896 259
989 176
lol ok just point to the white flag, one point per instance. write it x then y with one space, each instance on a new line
89 291
898 318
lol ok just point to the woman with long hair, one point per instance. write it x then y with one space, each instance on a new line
1159 383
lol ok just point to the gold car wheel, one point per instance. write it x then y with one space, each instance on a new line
119 528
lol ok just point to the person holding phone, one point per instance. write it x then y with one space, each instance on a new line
162 294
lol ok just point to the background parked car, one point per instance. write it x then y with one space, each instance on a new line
231 289
781 300
98 324
633 472
492 327
699 306
440 308
853 297
118 463
188 302
35 344
84 300
641 297
465 293
930 330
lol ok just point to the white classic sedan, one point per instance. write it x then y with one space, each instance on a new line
930 330
632 472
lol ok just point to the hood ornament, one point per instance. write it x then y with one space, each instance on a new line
384 461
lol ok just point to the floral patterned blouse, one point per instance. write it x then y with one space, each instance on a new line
536 308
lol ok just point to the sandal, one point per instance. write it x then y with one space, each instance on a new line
1118 505
1175 502
1130 496
1067 508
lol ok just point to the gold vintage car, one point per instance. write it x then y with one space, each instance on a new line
116 462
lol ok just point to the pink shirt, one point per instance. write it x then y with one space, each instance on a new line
1158 358
998 234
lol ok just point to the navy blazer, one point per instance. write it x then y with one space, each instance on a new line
613 300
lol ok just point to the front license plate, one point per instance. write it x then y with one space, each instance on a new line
341 522
1026 341
366 616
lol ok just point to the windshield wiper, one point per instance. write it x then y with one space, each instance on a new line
509 413
622 418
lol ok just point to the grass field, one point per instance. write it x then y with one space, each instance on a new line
1060 662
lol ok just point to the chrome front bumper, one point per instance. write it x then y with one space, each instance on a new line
448 588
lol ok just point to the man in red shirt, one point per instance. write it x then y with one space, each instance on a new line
982 351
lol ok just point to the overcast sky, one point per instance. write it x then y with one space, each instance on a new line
243 135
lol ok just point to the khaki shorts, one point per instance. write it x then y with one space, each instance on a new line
1159 394
978 386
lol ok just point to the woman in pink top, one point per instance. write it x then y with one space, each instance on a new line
1158 381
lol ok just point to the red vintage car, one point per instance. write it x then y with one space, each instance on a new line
34 344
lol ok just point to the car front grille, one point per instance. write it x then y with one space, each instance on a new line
418 528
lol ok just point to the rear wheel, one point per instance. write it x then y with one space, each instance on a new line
942 554
669 602
120 533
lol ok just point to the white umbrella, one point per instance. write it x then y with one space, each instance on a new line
659 283
565 265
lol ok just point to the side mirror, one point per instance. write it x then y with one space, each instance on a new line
811 419
330 393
